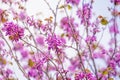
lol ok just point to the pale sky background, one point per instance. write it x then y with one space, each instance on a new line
39 6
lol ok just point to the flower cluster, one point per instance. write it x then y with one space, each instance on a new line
114 28
68 23
54 42
82 75
74 2
85 13
116 2
69 26
36 70
13 30
117 59
90 39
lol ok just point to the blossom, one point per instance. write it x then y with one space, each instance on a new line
112 64
39 66
30 21
24 53
114 28
82 75
54 42
7 1
1 11
117 59
90 39
18 46
14 31
90 76
74 64
85 13
37 70
79 76
22 15
117 2
40 40
115 12
76 2
32 73
67 23
69 26
8 72
1 44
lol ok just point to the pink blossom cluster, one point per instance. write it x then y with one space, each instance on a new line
85 13
13 31
54 42
74 2
70 27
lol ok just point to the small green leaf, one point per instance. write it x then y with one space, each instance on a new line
69 7
31 63
110 79
62 6
105 72
104 21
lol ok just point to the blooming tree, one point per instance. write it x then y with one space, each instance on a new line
40 47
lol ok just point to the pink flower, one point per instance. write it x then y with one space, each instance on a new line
69 26
22 15
117 2
18 46
38 66
7 1
8 72
67 23
74 2
90 39
82 75
30 21
112 64
54 42
1 44
90 76
24 53
14 31
79 76
37 69
85 13
114 28
98 55
117 59
74 64
33 73
40 40
1 12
